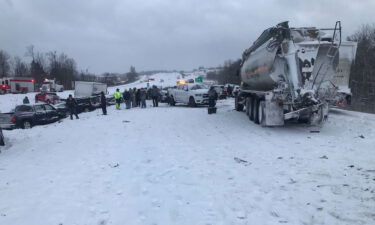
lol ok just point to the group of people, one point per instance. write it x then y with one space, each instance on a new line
134 97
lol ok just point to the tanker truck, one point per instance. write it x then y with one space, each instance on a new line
286 75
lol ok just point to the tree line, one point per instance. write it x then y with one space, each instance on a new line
58 66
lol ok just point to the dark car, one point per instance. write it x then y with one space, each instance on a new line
2 143
86 104
62 110
26 116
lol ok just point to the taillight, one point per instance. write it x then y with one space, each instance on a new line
13 119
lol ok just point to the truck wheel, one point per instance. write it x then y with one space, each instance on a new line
237 106
192 102
261 115
248 105
258 116
26 124
252 109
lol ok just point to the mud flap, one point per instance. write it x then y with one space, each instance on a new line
273 111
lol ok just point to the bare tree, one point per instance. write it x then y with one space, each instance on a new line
362 77
20 68
4 64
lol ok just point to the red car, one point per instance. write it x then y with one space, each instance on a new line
48 97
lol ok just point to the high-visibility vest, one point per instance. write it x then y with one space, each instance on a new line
117 95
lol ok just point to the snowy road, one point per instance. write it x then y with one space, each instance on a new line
178 165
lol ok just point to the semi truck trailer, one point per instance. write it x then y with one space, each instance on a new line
287 75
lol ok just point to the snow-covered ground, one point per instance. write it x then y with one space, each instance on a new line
179 165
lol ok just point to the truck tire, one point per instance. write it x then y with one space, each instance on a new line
247 109
237 106
26 124
256 111
261 115
252 109
192 102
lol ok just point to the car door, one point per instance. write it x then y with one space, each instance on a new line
178 93
40 114
185 94
51 113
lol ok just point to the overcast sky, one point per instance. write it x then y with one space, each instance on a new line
111 35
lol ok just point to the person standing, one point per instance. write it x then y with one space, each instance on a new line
212 97
138 97
126 96
155 96
143 96
117 96
71 103
134 102
103 103
131 97
26 100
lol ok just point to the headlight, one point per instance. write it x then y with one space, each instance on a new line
199 95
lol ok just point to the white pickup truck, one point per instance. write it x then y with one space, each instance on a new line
190 94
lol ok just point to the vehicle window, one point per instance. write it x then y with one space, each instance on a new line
48 107
39 108
197 86
24 108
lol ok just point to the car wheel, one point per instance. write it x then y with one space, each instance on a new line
173 103
192 102
86 110
1 139
26 124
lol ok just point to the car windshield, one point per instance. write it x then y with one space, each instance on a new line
198 86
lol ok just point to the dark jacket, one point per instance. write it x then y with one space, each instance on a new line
143 95
71 103
103 100
138 94
126 95
212 94
155 92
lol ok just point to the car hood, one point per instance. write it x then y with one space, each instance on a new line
200 91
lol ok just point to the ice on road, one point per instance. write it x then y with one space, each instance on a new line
179 165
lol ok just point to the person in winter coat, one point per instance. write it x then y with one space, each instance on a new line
143 96
134 98
117 96
26 100
212 97
71 103
103 103
155 96
138 97
131 96
126 96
